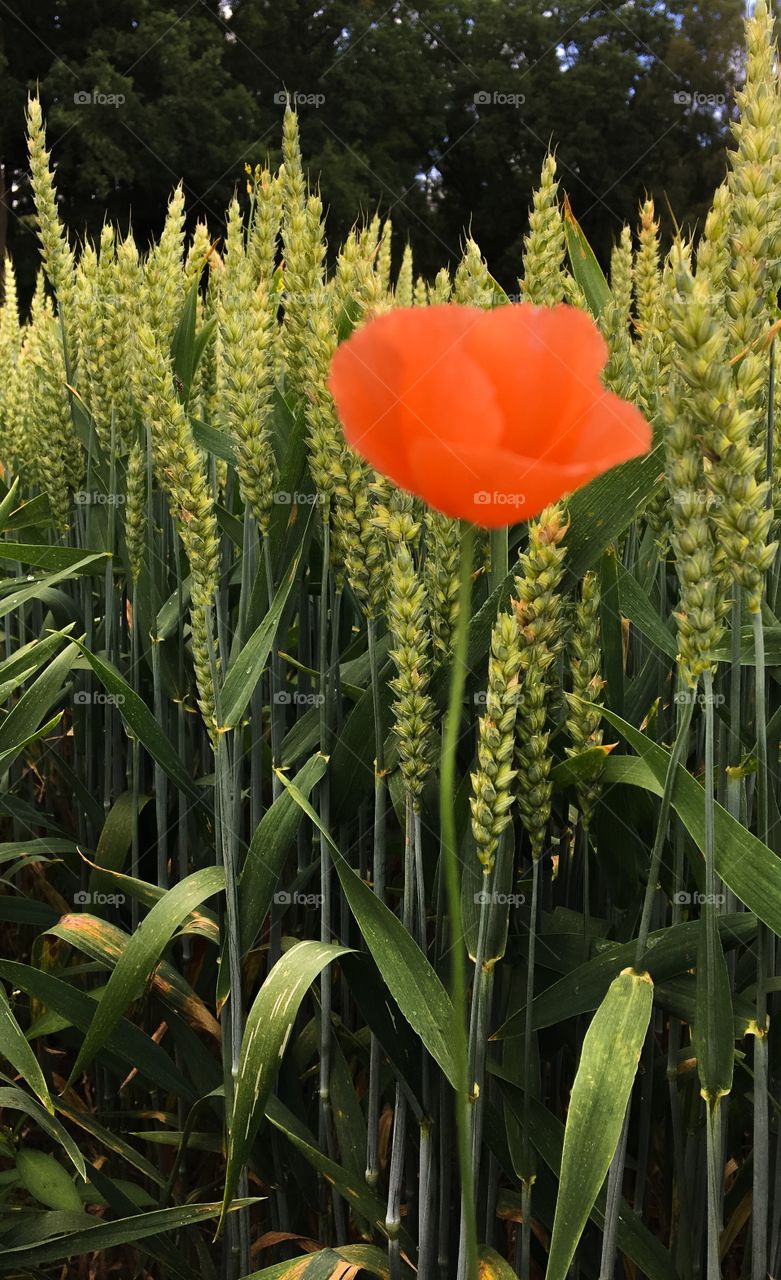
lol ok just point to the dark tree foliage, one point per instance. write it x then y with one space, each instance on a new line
438 113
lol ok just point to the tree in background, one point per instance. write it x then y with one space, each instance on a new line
439 113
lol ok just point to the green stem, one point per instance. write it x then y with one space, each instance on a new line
683 1257
615 1180
709 923
527 1179
396 1170
276 680
378 877
453 888
713 1137
761 1179
735 750
676 755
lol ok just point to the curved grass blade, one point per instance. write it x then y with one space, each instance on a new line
266 1034
342 1261
493 1266
585 267
25 717
16 1050
413 983
46 1180
744 863
201 921
636 1240
671 951
267 851
248 665
44 556
106 1235
140 956
116 836
600 1093
107 943
127 1042
17 1100
34 592
363 1202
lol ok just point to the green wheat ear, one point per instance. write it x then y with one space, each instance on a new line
544 253
472 284
538 614
441 573
411 653
584 705
180 472
247 329
163 277
492 782
56 253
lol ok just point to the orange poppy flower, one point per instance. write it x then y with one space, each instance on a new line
487 415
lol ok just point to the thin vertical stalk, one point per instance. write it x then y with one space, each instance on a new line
613 1202
709 923
233 1027
761 1174
616 1174
135 760
161 781
378 878
453 888
676 755
735 747
683 1255
396 1170
474 1058
277 707
526 1185
326 880
426 1171
109 619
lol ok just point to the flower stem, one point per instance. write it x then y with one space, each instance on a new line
526 1156
678 751
378 877
761 1188
453 889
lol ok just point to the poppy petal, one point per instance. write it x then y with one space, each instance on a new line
487 416
544 364
612 432
407 376
492 488
365 382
